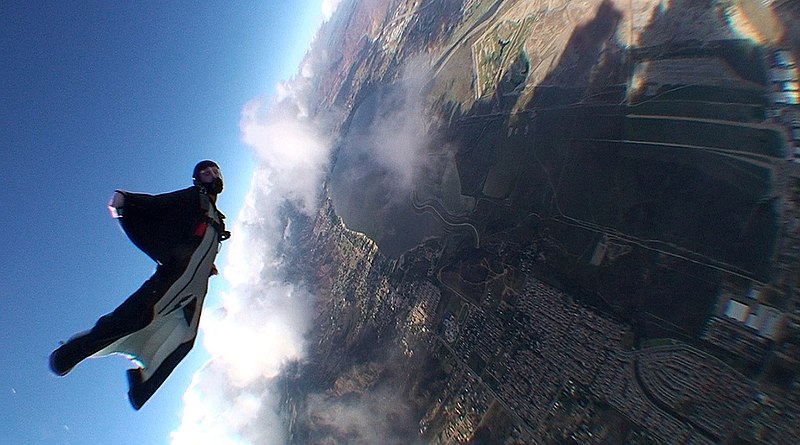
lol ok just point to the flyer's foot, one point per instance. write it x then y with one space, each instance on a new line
63 359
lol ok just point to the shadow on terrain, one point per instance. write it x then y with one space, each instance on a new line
580 162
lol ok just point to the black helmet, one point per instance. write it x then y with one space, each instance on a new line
214 187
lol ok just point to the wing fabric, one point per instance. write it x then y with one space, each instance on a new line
157 224
162 344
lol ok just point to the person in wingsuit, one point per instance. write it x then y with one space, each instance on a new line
157 325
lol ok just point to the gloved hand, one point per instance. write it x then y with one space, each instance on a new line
115 204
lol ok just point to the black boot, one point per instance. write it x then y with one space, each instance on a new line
63 359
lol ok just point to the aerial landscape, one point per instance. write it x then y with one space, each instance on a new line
552 222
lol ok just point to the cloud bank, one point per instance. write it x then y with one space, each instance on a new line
263 318
369 404
395 137
329 7
377 417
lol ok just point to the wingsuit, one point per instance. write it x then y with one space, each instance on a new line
157 325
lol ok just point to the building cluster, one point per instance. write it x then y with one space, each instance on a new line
554 341
467 401
773 421
784 110
420 317
743 326
419 320
347 269
525 356
617 384
674 393
784 79
783 76
763 319
699 388
479 338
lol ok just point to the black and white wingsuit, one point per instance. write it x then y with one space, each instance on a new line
157 325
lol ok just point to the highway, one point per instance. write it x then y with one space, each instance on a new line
431 205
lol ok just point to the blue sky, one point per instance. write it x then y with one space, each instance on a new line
95 96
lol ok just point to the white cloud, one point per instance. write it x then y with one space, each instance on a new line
293 154
396 138
377 416
220 414
263 317
329 7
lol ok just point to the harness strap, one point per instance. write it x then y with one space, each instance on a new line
218 225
